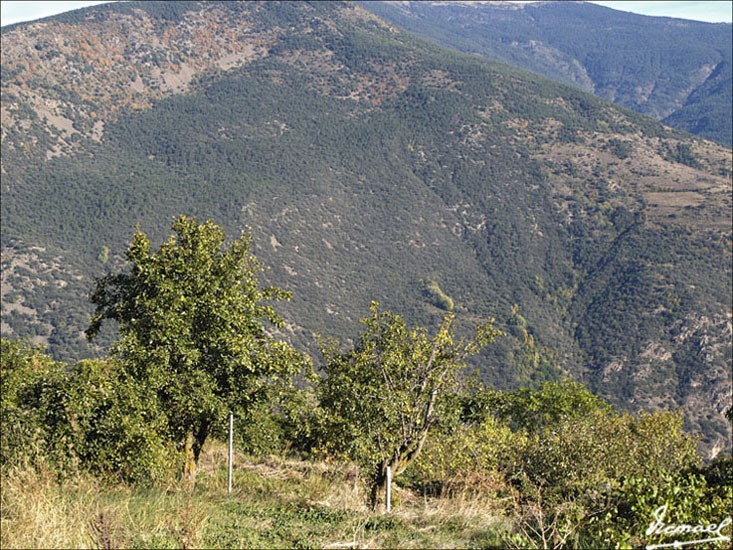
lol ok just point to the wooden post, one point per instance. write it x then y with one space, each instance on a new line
389 489
231 455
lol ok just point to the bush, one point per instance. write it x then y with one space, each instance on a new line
31 389
535 410
469 458
635 506
570 459
88 416
282 419
117 427
580 455
436 296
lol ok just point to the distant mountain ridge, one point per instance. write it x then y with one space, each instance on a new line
676 70
370 164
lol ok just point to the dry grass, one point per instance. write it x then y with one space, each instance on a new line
39 512
276 502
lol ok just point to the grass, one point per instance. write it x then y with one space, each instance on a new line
275 503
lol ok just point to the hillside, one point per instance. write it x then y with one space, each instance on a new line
676 70
369 165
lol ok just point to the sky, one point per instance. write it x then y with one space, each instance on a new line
713 12
700 10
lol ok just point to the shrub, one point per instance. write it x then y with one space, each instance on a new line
88 415
117 427
31 407
572 461
535 410
634 508
436 296
580 455
469 458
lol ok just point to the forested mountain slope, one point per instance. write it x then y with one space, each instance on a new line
676 70
370 165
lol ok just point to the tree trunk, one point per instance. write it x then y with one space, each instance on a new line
201 434
189 466
379 489
378 495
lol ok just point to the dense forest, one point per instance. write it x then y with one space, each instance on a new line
678 71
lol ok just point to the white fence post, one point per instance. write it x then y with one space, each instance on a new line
231 454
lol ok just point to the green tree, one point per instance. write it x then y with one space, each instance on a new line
192 318
535 410
30 409
382 398
103 256
90 415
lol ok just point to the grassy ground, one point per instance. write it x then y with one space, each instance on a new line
275 503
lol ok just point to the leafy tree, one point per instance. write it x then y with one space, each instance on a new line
191 318
383 397
90 415
27 378
115 425
534 410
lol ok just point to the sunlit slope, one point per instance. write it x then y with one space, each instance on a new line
369 165
676 70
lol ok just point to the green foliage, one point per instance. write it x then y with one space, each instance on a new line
191 327
573 442
562 462
535 410
90 415
436 296
32 384
283 421
468 458
577 455
383 398
116 426
566 471
561 439
633 515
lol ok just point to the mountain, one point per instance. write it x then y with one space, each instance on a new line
676 70
369 165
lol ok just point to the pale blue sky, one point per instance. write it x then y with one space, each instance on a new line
700 10
14 12
714 12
